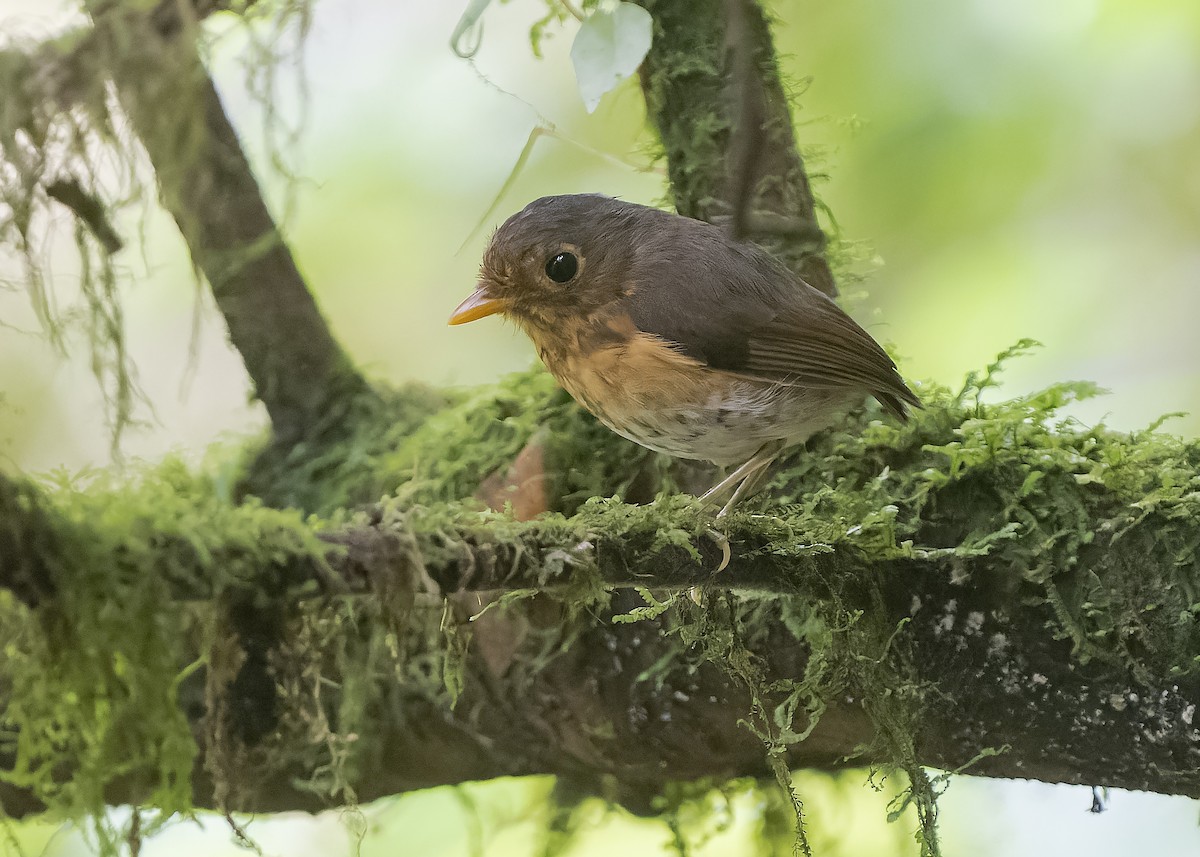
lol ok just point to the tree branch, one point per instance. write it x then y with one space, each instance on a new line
1060 620
299 370
712 88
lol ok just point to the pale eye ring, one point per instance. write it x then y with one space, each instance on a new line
562 267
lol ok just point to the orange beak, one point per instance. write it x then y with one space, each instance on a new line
479 304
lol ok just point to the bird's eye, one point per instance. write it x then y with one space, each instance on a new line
562 267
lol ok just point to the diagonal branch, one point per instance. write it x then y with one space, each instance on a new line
299 370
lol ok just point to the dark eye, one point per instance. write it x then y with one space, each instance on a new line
562 267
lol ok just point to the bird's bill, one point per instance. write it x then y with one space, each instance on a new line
479 304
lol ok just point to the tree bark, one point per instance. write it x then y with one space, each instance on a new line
299 371
712 88
996 677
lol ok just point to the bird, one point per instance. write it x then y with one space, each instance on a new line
676 336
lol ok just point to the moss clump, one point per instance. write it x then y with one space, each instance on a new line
94 675
1043 496
1061 512
342 466
448 457
422 446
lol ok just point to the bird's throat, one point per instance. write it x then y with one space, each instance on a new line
576 337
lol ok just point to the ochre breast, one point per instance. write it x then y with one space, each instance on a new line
633 375
645 390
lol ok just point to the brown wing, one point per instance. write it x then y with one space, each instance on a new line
818 345
736 308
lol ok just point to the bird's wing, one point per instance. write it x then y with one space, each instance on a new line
749 315
820 346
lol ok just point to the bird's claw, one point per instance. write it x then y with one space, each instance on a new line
722 541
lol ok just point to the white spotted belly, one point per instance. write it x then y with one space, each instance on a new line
674 404
709 416
729 429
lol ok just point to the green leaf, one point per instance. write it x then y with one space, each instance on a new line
608 48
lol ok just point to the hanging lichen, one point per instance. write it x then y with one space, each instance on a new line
65 146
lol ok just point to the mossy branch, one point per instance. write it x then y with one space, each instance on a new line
713 90
299 370
990 586
58 103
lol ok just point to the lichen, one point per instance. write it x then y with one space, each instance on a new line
64 146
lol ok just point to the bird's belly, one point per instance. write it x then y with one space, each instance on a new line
693 411
722 434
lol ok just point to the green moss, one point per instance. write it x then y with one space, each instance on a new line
93 677
1061 511
346 465
422 446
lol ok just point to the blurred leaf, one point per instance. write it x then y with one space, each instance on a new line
469 26
608 48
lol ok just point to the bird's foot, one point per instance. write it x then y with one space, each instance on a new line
722 542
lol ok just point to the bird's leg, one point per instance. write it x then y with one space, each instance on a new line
747 473
744 480
729 481
747 486
722 542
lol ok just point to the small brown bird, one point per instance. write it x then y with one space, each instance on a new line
677 337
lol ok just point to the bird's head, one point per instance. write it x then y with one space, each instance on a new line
559 260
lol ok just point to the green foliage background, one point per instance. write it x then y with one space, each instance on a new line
1001 170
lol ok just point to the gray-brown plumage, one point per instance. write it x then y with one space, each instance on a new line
676 336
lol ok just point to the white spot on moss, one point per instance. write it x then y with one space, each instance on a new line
997 645
946 623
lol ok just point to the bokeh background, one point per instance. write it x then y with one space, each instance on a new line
1000 170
